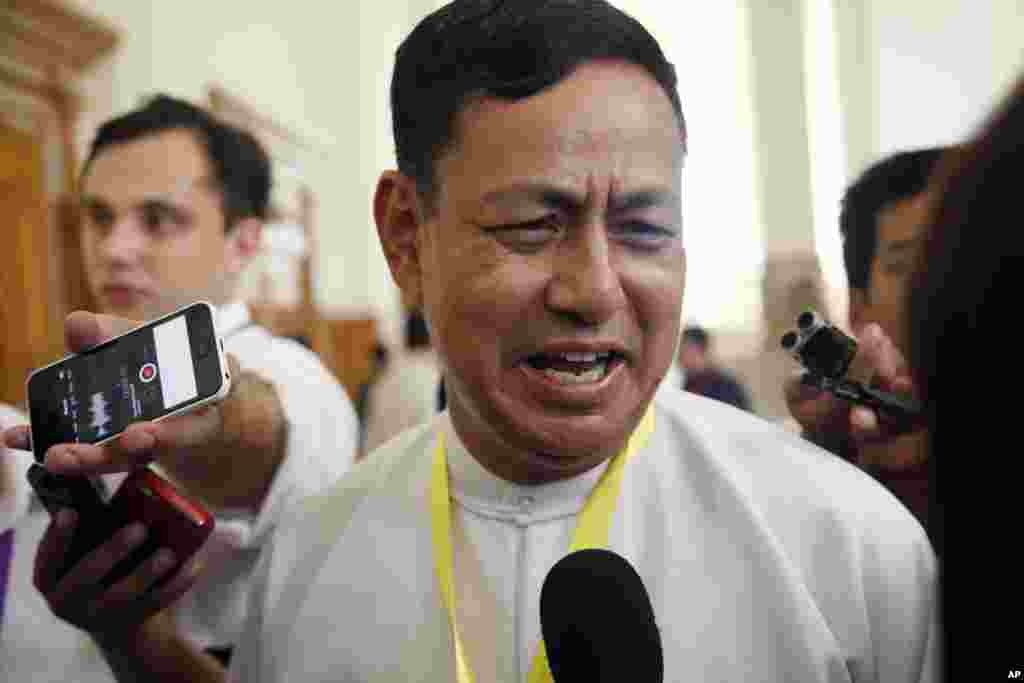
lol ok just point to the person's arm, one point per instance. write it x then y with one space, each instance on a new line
157 654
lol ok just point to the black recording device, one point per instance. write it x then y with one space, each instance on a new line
826 352
597 621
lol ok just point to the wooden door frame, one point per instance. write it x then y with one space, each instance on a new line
44 48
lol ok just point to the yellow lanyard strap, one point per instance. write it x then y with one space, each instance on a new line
591 532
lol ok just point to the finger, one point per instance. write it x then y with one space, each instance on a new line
797 392
130 589
179 584
83 330
91 569
56 542
889 369
133 448
190 430
813 408
17 438
864 424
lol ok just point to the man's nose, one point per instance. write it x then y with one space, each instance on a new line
124 243
585 283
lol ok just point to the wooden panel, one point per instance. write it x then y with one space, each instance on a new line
27 338
44 34
352 343
283 321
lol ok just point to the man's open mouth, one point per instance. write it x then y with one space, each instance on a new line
575 367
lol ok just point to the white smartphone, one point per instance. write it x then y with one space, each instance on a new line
169 366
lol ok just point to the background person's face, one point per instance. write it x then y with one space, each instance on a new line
557 231
692 357
901 227
153 227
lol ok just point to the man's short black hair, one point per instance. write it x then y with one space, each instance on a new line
509 49
698 336
240 165
893 179
417 334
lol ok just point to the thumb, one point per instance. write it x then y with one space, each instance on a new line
83 330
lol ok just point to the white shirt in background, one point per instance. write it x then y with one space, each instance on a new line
322 440
765 558
404 396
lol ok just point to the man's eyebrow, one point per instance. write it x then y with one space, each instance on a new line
901 246
642 199
93 202
160 203
559 198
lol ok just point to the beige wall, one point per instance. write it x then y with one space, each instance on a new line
923 72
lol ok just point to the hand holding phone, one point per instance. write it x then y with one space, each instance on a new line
167 367
164 368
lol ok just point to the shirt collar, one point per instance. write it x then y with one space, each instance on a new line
232 317
475 486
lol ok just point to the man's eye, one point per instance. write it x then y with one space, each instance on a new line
160 220
100 217
898 268
530 233
644 233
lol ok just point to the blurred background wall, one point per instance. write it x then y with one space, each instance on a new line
786 102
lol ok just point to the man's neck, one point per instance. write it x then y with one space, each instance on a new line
503 461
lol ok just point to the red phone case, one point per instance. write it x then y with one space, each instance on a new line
172 520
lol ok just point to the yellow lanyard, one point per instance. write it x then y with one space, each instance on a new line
591 532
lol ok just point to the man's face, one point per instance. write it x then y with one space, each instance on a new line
900 229
552 269
153 227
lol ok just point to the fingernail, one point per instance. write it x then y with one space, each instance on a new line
17 439
135 533
197 568
65 518
163 560
60 459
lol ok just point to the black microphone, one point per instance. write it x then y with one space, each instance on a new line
597 621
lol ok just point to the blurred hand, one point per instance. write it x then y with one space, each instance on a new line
171 440
80 597
878 364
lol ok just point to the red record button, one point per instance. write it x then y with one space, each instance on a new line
147 373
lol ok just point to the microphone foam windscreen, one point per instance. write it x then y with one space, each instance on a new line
597 621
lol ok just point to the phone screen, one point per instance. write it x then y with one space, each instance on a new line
142 375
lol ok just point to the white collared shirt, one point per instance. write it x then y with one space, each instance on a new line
765 559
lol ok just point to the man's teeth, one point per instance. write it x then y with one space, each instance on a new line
583 356
594 374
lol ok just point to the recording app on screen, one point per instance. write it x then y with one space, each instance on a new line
139 377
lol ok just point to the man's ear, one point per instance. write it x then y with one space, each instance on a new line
395 210
859 307
243 244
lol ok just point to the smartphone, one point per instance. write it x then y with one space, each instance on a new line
166 367
172 520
